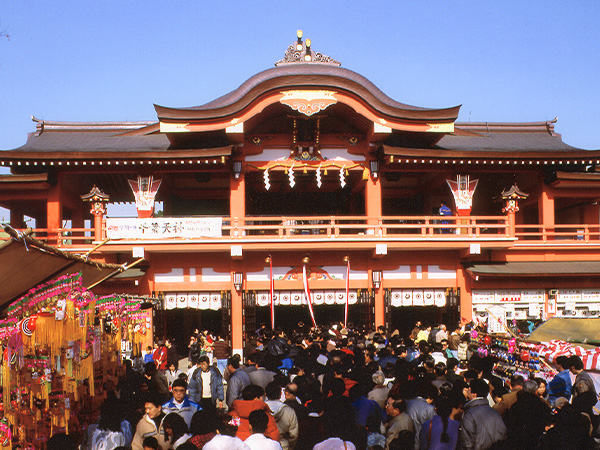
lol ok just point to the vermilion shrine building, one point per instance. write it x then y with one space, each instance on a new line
310 164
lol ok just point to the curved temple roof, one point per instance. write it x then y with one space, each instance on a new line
304 69
310 75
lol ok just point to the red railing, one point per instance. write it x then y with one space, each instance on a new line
570 233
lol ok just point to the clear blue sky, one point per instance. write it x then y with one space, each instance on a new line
111 60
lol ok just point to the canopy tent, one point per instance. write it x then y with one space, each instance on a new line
26 262
579 331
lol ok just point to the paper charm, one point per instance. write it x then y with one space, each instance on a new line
319 177
291 176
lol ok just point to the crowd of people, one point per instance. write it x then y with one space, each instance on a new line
338 388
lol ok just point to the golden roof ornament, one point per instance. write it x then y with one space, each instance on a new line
302 52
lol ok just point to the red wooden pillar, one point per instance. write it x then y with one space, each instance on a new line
546 212
373 208
237 208
54 214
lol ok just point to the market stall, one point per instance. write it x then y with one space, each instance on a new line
61 355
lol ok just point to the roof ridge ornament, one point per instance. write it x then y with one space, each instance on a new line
301 52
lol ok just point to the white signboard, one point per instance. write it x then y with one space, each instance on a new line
496 319
164 227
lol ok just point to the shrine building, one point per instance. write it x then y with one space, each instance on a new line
309 189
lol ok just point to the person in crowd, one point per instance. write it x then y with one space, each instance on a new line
160 356
516 384
148 355
442 334
258 422
421 409
193 350
180 403
206 385
172 374
528 417
176 430
285 416
364 407
482 426
111 431
395 408
151 424
261 376
441 432
221 351
584 391
454 341
238 380
542 390
374 436
560 385
250 362
380 390
570 430
423 334
156 379
203 427
150 443
226 438
172 353
252 399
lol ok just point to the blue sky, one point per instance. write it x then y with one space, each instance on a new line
111 60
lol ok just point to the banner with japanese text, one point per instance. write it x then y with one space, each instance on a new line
164 227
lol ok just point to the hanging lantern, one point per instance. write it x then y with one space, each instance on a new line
487 340
473 334
524 356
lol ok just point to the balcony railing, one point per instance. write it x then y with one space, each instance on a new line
386 228
568 234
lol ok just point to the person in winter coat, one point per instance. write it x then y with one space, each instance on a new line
481 426
395 408
150 425
238 380
205 395
160 356
421 409
441 432
251 401
527 419
287 421
180 404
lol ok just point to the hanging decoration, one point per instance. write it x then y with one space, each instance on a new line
462 190
271 291
319 167
144 191
61 349
291 177
347 259
307 292
342 178
318 175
